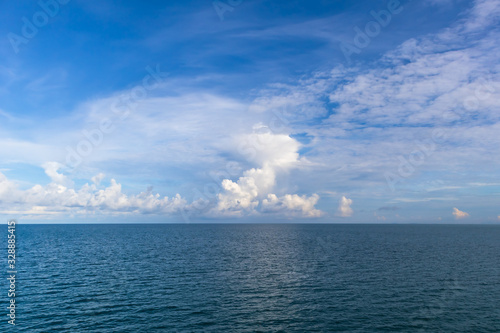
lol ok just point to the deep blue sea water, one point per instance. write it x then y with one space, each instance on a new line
256 278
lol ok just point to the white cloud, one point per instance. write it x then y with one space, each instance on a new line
274 152
98 178
56 198
237 198
344 209
267 148
484 13
7 187
459 214
292 205
51 169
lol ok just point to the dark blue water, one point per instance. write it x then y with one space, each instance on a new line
256 278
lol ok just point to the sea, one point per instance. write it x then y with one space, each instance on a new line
254 278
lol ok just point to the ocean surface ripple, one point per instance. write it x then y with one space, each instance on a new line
257 278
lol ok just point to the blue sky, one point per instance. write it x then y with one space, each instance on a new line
252 111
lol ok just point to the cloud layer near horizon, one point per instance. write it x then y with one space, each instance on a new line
249 195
